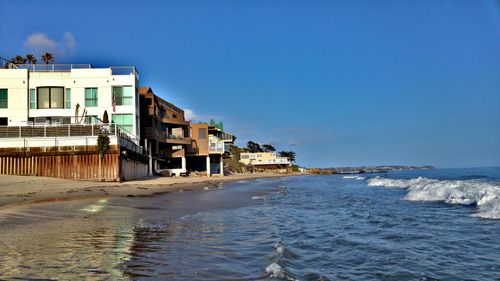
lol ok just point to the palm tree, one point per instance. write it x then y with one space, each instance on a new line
18 60
48 58
31 59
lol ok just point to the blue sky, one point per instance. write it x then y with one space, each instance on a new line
342 83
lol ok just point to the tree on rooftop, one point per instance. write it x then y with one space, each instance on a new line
289 154
268 148
31 59
253 147
48 58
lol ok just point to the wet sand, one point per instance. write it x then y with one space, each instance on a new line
16 190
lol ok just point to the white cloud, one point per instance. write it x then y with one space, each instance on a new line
189 114
69 42
293 143
38 43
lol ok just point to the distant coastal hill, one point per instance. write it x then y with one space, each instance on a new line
366 169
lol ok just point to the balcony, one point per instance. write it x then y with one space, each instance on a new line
227 137
71 135
277 161
175 139
216 145
152 133
174 121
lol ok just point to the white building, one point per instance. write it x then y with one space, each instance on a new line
69 94
263 159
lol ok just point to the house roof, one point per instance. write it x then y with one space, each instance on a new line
144 90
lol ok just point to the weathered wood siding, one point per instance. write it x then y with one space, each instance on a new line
74 166
132 170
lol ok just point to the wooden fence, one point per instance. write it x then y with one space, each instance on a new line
75 166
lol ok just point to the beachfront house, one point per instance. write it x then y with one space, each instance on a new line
165 133
265 160
210 145
56 110
57 94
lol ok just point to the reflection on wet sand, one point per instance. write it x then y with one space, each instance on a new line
126 238
63 245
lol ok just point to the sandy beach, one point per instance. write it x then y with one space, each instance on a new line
15 190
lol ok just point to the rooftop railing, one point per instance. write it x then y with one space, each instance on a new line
52 67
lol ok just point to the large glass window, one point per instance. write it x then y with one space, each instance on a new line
32 98
50 97
67 98
90 97
4 98
126 121
123 95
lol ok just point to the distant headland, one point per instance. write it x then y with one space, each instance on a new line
366 169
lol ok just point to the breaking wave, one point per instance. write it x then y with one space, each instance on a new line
483 194
276 271
354 177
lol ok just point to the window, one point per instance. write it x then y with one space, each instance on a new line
126 121
123 95
67 98
91 97
32 98
4 98
202 133
50 97
244 156
4 121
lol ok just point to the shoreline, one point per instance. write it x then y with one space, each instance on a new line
27 190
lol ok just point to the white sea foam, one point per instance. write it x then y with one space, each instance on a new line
280 248
275 270
354 177
259 197
485 195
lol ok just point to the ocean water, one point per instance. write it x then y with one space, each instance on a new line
404 225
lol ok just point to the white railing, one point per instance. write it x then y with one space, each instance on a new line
66 135
277 161
53 142
52 67
69 130
215 145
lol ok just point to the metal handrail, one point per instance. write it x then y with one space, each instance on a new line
52 67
